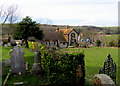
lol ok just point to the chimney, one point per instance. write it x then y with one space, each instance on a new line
67 27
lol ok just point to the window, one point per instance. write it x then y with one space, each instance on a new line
45 43
73 35
54 42
63 43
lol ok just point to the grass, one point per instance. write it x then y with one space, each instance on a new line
94 60
5 52
27 78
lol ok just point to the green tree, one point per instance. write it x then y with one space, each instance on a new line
27 28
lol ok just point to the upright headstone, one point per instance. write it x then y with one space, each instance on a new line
17 60
9 44
12 41
1 42
7 62
5 45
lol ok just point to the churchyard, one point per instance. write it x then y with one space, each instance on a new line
94 60
38 56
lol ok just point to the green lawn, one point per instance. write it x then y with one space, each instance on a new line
94 60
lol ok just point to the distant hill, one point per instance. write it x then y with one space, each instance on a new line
79 29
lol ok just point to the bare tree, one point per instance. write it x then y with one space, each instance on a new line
9 14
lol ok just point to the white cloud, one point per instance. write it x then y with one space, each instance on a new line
88 11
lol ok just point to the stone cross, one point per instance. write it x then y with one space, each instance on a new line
17 60
36 68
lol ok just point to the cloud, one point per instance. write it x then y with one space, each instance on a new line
89 11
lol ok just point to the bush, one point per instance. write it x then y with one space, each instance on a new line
98 43
111 44
61 67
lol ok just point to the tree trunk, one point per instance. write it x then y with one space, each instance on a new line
26 43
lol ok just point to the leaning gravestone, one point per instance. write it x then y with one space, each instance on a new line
7 62
103 80
36 68
17 60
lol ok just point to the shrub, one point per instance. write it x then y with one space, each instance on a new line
98 43
61 67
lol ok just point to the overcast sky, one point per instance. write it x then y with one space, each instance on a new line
69 12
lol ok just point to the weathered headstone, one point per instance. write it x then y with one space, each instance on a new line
36 68
12 41
5 45
9 44
102 80
7 62
1 42
17 60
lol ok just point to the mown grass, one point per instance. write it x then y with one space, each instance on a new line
95 58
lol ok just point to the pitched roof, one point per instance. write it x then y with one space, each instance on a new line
51 35
66 31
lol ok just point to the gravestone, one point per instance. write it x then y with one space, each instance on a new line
9 44
1 42
5 45
36 68
12 41
7 62
102 80
17 60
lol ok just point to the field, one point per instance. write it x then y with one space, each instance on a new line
94 60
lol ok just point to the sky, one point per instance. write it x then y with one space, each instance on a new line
68 12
